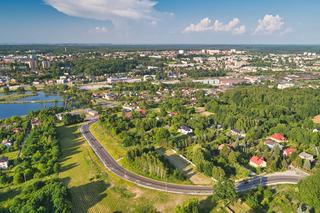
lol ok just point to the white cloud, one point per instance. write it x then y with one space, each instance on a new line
99 29
203 25
240 30
269 24
217 26
220 27
112 10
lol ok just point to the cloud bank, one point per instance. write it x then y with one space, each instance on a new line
111 10
207 24
269 24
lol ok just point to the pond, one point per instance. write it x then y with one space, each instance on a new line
9 110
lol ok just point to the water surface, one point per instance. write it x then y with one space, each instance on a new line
9 110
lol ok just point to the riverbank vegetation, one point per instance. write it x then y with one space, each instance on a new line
13 97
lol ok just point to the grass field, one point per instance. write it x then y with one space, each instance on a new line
94 189
108 141
189 170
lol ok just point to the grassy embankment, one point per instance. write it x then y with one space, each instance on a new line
14 97
113 145
94 189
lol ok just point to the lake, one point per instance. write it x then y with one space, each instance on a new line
9 110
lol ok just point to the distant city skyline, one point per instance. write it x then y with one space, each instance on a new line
161 22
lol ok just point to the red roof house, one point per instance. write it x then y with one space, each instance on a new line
288 151
172 114
256 161
142 112
277 137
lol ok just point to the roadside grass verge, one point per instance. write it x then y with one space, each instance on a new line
114 147
94 189
108 141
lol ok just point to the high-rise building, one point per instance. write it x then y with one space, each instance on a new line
45 64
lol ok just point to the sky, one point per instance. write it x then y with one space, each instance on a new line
160 22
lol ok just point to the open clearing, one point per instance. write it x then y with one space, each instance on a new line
188 169
202 111
316 119
94 189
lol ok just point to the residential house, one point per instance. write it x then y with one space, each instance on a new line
61 81
16 130
317 130
4 163
96 95
306 156
7 143
109 96
185 130
271 144
278 137
59 116
238 133
256 162
285 86
127 114
172 114
129 106
288 151
142 112
92 113
35 123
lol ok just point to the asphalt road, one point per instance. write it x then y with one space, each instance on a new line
114 167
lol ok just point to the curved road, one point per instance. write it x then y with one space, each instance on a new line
115 168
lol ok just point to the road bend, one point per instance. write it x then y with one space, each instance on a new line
113 166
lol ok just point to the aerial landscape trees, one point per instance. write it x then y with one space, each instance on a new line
199 117
32 173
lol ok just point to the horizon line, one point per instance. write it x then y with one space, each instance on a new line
158 44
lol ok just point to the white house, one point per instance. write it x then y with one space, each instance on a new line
4 163
306 156
238 133
8 145
271 144
92 113
285 86
317 130
185 130
59 116
109 96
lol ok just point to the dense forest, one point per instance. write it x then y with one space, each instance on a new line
102 66
262 111
206 73
42 196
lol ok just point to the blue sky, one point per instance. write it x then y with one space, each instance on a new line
164 21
